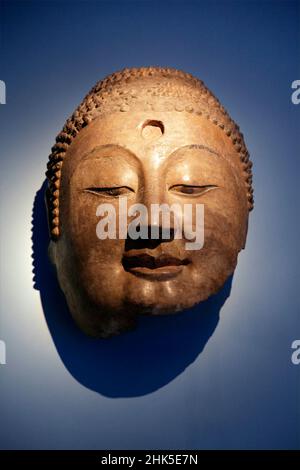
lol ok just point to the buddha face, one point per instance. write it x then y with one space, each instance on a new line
148 158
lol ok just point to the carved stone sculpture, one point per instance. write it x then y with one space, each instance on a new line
148 136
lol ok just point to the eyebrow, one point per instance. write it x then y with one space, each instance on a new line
199 147
128 154
108 147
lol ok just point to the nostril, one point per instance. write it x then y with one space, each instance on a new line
141 244
155 236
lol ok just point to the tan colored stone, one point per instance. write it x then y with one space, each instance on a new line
159 136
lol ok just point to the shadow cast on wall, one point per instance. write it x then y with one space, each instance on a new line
134 363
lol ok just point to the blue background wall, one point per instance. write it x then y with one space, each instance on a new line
154 388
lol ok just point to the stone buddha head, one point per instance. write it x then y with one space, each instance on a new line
145 137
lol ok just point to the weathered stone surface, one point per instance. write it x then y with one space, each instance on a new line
153 136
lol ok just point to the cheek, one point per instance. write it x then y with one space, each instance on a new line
224 226
94 272
225 219
97 263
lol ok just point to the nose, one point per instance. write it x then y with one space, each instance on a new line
154 198
156 225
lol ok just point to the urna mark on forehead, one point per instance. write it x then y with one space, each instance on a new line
139 89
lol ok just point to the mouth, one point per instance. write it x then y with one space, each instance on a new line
161 268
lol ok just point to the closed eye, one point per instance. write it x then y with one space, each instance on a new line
114 191
191 190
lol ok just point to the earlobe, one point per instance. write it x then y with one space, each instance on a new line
243 244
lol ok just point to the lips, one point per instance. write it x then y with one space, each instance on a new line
156 267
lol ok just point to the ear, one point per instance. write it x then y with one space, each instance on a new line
52 252
48 208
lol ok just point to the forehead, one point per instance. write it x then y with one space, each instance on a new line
147 134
